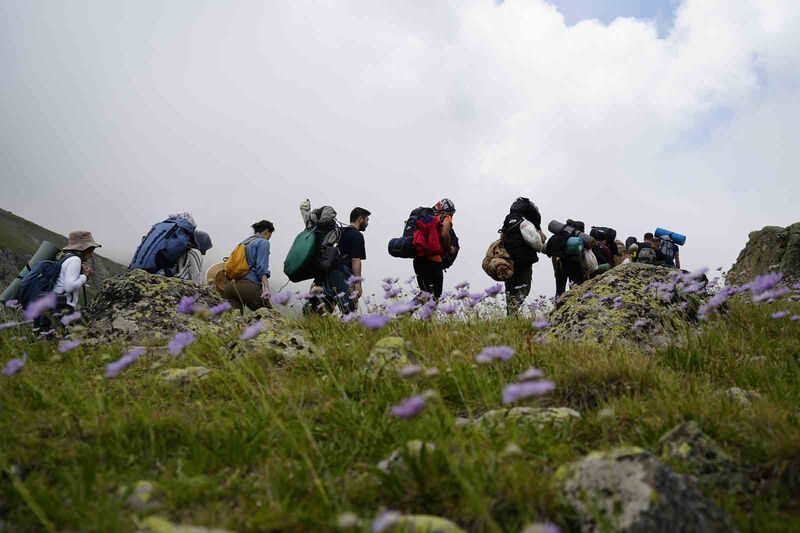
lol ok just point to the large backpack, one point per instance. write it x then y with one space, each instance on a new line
668 251
527 209
646 254
164 244
513 240
556 245
315 250
447 258
41 279
405 246
497 262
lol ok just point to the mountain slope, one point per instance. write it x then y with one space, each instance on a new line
19 240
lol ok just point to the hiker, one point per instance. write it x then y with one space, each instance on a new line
605 250
669 252
166 250
624 256
430 269
248 272
632 246
567 268
334 284
190 264
522 238
649 253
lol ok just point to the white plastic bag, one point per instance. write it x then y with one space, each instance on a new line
589 262
531 236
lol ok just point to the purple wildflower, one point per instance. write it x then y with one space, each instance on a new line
112 369
385 521
490 353
540 324
391 292
771 295
180 341
400 308
39 306
448 309
187 303
390 281
530 374
780 314
699 273
519 391
462 295
220 308
410 371
252 331
463 285
374 321
15 365
13 304
765 282
67 345
70 318
550 528
587 295
348 317
353 280
494 290
282 298
426 312
410 407
795 318
9 325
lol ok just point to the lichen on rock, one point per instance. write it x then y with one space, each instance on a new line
629 490
415 450
770 249
535 416
389 354
646 315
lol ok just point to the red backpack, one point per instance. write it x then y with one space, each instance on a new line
427 241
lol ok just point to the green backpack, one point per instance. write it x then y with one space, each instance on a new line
299 263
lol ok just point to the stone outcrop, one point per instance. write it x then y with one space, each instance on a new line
629 490
140 308
632 303
535 416
389 354
771 249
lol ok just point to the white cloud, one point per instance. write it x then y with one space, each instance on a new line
118 114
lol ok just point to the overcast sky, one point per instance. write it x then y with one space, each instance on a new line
624 113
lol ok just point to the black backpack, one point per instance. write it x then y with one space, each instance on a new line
514 242
527 209
41 279
447 258
403 247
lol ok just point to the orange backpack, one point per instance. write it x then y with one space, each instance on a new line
236 266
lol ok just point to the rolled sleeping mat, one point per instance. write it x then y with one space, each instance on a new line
47 252
677 238
555 226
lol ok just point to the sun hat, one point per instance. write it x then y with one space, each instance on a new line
80 241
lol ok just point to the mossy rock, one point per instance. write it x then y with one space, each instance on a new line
157 524
389 354
646 317
423 524
535 416
770 249
628 490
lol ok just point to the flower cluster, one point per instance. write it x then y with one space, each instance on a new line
130 357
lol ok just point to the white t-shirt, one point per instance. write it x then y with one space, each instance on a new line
190 266
70 280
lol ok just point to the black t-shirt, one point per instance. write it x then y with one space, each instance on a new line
351 244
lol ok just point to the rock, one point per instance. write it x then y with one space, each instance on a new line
744 397
422 524
689 446
629 490
646 316
182 376
389 354
142 309
536 416
771 249
156 524
145 497
416 450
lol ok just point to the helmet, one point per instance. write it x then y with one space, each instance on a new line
445 205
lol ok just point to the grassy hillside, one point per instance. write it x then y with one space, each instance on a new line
19 240
264 443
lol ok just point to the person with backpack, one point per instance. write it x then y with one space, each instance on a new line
430 269
670 252
522 238
248 272
567 267
649 252
190 264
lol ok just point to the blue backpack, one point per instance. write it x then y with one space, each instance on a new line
40 280
162 247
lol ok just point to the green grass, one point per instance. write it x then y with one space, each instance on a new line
269 444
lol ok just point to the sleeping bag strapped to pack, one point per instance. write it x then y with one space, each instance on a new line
41 279
557 243
677 238
162 247
609 235
514 242
497 262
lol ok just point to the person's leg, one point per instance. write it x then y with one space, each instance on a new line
422 279
517 288
430 276
231 295
251 294
561 277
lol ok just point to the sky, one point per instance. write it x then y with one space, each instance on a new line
629 114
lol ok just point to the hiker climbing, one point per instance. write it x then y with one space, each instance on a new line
65 276
669 247
571 252
173 248
522 238
247 270
429 239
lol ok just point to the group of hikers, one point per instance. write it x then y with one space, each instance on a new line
331 255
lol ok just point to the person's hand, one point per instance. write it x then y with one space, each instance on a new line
306 205
87 271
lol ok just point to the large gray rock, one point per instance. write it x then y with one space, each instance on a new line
140 308
534 416
647 313
629 490
771 249
687 445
